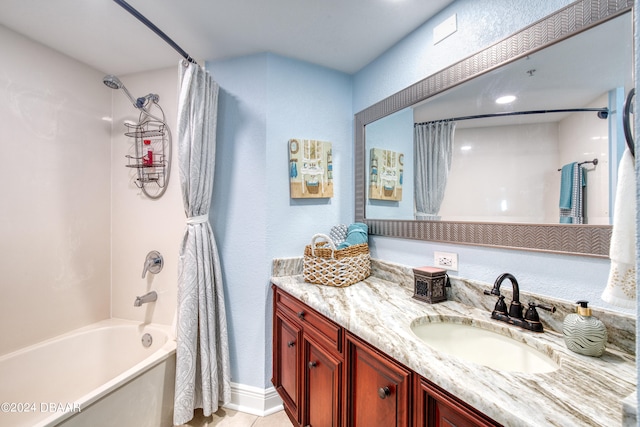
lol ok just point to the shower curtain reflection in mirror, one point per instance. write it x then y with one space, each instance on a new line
433 147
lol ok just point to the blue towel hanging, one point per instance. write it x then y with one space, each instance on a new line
566 185
572 186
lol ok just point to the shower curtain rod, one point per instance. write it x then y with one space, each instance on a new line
603 113
126 6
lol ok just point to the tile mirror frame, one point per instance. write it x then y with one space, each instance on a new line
585 240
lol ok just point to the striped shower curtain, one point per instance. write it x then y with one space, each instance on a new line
433 148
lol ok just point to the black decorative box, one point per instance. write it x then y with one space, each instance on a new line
430 284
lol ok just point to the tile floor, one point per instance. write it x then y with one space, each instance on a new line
230 418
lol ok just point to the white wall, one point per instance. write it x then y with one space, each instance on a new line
54 198
74 227
504 174
583 138
141 224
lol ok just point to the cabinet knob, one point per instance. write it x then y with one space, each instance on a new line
301 315
312 364
383 392
291 343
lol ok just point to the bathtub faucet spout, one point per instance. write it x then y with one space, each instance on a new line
149 297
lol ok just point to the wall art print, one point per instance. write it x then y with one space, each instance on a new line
310 169
386 169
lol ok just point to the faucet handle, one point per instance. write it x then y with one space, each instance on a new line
551 308
153 263
542 306
501 306
532 314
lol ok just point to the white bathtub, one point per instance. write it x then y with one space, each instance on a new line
99 375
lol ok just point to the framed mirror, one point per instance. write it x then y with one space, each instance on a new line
570 73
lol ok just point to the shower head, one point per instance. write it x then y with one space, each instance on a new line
114 83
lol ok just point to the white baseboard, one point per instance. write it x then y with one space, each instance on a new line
254 400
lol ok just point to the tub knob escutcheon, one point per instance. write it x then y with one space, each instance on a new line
153 263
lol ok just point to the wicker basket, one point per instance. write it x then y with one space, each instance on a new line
335 267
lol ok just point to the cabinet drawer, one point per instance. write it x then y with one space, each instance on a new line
329 333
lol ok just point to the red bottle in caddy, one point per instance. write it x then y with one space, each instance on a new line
147 158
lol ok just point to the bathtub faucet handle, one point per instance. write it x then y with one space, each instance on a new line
153 263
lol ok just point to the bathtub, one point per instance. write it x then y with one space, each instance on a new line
99 375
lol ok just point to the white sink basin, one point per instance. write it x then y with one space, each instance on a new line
483 347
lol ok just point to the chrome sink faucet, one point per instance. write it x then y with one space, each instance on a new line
148 297
513 316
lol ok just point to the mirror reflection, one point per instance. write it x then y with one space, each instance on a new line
543 165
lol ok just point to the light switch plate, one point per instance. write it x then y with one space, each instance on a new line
444 30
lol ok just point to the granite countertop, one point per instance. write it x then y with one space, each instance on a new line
584 391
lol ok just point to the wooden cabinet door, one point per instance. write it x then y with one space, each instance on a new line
378 390
436 408
322 386
287 339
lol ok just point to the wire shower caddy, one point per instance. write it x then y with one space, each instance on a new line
151 156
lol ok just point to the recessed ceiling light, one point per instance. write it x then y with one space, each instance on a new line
505 99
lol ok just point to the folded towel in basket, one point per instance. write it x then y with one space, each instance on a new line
338 233
357 233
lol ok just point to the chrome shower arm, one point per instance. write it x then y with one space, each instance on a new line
126 92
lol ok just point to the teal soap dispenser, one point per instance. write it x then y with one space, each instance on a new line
583 333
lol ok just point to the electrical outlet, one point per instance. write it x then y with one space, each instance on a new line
446 260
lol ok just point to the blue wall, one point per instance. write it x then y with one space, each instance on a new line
238 209
265 100
480 24
394 131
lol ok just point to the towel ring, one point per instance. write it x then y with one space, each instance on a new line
626 121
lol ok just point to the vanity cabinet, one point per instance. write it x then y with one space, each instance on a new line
378 389
322 405
287 339
307 363
323 384
434 407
